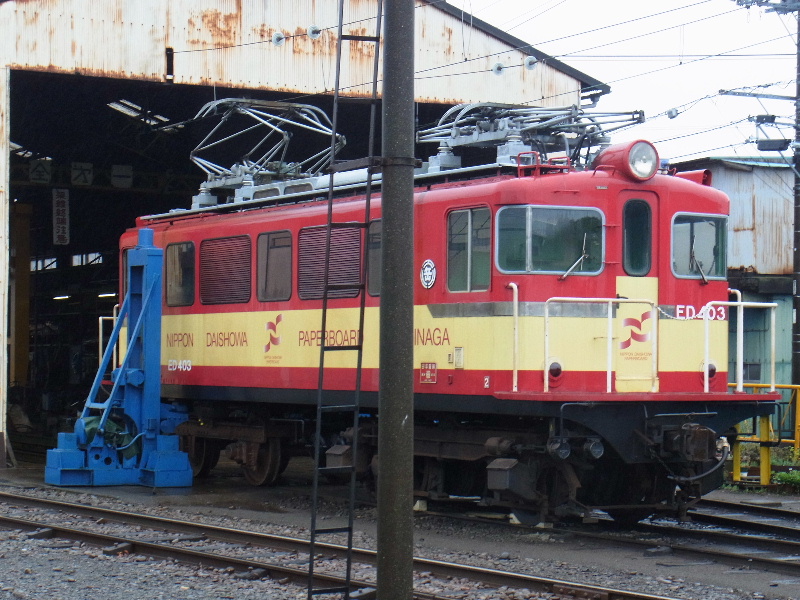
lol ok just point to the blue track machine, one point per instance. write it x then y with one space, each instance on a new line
128 438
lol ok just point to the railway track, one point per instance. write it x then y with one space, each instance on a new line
221 547
736 534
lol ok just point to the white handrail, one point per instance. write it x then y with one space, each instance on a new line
515 356
610 335
739 339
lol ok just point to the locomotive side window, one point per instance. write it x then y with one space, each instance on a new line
468 250
698 246
179 274
374 258
636 238
225 267
274 266
345 263
543 239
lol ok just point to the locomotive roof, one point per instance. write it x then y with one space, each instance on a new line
260 174
454 176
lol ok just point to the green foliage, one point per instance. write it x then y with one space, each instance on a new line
790 478
785 456
781 456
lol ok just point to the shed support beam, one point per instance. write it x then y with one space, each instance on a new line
5 148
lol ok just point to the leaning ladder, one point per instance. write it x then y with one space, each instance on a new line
331 290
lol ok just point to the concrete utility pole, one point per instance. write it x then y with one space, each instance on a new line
785 7
396 401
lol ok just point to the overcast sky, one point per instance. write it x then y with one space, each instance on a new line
673 54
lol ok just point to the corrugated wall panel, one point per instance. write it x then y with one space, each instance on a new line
229 43
760 226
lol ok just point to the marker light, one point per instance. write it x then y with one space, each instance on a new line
555 369
637 160
712 370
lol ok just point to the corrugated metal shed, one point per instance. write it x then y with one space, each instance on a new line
760 237
230 43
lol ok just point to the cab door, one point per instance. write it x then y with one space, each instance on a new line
636 323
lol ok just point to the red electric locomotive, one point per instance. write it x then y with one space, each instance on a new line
571 320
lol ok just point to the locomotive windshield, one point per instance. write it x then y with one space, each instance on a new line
698 246
539 239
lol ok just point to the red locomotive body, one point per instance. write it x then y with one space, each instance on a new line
571 332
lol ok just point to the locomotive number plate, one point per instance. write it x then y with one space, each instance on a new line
427 373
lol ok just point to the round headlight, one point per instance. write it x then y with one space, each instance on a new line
643 160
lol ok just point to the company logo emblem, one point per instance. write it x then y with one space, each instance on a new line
272 330
635 334
427 274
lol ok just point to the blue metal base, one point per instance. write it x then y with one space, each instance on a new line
120 440
69 465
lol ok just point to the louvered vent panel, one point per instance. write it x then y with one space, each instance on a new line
225 265
345 265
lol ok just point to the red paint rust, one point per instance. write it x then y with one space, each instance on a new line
225 28
361 50
89 72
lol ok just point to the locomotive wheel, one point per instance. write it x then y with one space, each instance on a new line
268 463
203 457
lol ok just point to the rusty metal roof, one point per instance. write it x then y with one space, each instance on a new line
242 44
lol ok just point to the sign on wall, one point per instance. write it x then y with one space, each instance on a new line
82 173
60 217
41 170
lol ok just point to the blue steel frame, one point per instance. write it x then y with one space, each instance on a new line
124 439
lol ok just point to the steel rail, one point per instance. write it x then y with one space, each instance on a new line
782 565
442 569
750 507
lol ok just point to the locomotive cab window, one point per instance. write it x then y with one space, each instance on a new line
225 270
179 274
698 246
636 238
468 250
543 239
274 266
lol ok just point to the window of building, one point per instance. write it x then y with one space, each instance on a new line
92 258
274 266
468 250
637 238
698 246
751 372
225 270
43 264
345 263
543 239
179 273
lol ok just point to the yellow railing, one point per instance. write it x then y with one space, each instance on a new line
765 435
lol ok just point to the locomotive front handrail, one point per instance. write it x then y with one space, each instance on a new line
515 351
610 335
739 339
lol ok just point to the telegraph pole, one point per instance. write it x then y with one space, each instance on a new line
396 395
785 7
